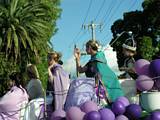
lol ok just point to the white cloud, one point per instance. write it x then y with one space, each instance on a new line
70 65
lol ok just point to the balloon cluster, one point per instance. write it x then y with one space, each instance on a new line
148 74
155 115
121 109
148 79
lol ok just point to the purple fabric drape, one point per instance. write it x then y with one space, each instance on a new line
60 86
10 103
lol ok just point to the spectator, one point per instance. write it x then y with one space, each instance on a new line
129 50
34 86
58 80
11 102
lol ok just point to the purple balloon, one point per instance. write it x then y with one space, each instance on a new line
74 113
58 114
124 100
142 67
155 115
133 111
93 115
106 114
118 108
144 83
89 106
121 117
155 68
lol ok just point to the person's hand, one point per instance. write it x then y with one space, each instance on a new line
77 53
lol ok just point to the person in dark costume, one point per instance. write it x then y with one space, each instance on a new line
97 65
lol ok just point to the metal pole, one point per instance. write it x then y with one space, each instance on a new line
77 73
92 26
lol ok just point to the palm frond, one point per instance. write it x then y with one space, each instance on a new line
23 40
9 39
13 6
16 41
0 41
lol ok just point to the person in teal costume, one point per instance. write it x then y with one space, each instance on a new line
98 65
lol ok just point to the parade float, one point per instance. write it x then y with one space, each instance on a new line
86 107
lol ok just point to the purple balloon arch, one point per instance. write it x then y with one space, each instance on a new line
144 83
124 100
142 67
118 108
106 114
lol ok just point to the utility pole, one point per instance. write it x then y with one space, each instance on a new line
92 26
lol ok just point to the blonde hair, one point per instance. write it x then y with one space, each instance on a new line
32 71
93 44
55 55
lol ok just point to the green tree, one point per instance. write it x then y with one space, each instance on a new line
26 27
117 27
145 26
132 21
145 48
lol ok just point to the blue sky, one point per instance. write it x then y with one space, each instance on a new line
78 12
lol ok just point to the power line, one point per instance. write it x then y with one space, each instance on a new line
133 4
109 18
112 14
73 42
108 11
90 3
98 13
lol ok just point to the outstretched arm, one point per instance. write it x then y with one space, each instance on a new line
77 55
80 69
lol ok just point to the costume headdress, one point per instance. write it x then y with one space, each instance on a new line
130 44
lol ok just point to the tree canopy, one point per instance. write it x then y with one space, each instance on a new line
145 26
26 27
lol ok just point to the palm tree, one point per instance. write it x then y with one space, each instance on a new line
25 28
